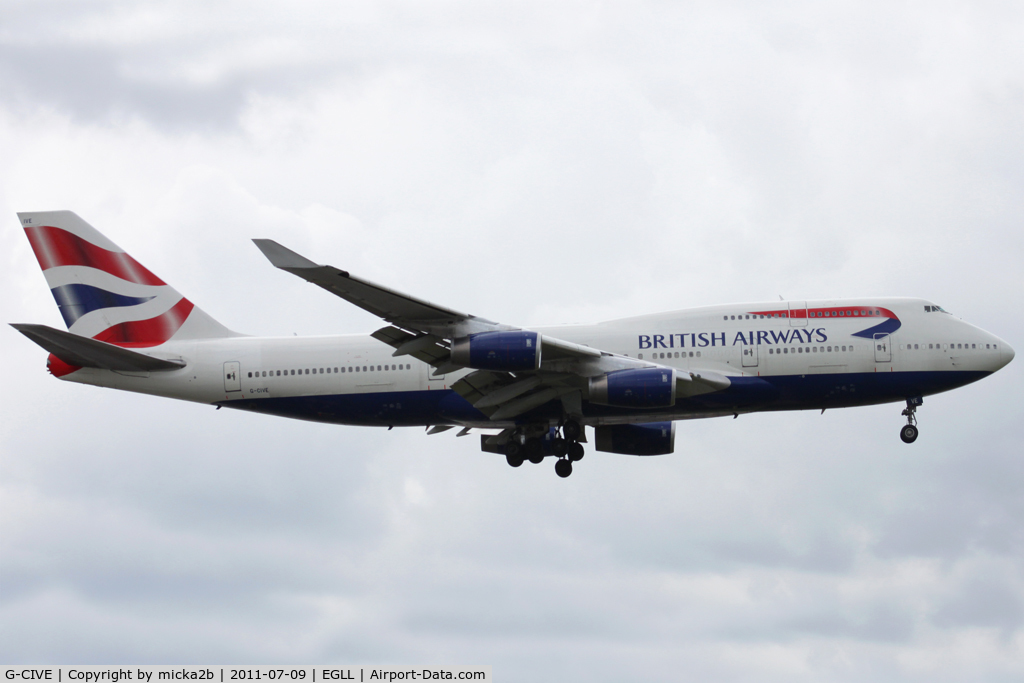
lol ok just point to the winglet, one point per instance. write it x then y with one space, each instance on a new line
283 257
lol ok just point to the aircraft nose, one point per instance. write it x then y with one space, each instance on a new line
1007 353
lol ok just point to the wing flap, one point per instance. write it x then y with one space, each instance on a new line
426 348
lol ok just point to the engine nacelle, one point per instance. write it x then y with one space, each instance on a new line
652 438
643 388
507 351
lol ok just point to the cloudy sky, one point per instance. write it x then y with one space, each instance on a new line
533 163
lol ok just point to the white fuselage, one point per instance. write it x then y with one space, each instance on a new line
804 362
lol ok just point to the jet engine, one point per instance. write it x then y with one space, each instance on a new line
652 438
643 388
503 351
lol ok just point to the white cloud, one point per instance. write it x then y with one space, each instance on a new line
533 163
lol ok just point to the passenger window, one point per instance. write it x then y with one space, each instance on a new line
640 356
250 375
725 317
786 351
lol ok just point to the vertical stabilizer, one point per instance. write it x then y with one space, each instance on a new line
104 293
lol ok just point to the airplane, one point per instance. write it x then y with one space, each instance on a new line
532 392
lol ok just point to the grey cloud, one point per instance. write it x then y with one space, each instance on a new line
93 84
983 602
530 164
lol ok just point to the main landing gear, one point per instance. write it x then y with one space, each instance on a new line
909 431
572 449
565 446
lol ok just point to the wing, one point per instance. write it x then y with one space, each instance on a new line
406 311
428 332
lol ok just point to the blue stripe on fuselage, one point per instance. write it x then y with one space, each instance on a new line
885 327
785 392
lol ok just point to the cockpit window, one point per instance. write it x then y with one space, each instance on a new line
935 309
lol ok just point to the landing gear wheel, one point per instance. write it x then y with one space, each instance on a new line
571 430
559 446
563 468
514 453
534 451
575 451
908 433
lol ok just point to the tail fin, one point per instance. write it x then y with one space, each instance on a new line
104 293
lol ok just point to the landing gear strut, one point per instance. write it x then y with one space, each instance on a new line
568 449
533 443
909 431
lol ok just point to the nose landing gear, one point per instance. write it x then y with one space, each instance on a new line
909 432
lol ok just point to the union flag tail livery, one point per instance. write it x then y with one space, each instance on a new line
104 293
532 393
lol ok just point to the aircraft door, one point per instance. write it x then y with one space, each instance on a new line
798 314
232 376
749 356
883 348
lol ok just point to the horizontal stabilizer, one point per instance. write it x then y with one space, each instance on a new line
84 352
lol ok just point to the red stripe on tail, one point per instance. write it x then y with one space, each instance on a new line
152 332
56 247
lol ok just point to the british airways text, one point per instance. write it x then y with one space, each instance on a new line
701 339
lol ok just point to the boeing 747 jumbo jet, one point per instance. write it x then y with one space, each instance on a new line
532 392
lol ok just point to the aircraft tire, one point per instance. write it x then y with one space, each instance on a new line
534 451
908 434
563 468
559 446
575 451
572 430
